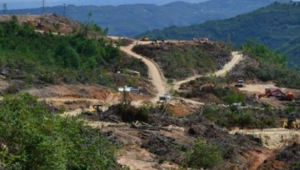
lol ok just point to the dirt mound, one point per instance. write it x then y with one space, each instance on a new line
180 108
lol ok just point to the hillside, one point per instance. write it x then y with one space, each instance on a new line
82 55
131 20
276 25
68 73
181 60
292 49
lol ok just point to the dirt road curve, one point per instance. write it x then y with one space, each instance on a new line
155 74
236 58
273 138
157 77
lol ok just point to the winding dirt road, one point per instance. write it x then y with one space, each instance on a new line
157 77
236 58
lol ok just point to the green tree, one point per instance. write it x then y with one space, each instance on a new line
66 56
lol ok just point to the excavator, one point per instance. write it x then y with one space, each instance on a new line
96 109
277 93
290 123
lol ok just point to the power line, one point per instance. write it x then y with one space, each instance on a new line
43 6
64 9
4 8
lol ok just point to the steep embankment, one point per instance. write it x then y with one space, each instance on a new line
274 139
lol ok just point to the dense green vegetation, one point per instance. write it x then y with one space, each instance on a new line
204 155
272 66
46 58
53 58
291 49
131 20
33 138
274 25
244 118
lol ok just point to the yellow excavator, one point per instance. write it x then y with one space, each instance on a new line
96 109
290 123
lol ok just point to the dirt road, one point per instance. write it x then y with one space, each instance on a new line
236 58
257 88
156 76
273 138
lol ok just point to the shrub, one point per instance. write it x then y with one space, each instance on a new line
244 117
130 113
204 155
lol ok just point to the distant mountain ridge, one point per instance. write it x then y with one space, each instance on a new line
277 26
131 20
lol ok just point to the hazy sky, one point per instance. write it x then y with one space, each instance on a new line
13 4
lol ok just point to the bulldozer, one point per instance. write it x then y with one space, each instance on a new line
290 123
95 109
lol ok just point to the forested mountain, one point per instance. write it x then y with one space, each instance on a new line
131 20
277 26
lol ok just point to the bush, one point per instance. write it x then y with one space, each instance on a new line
130 113
250 118
229 95
204 155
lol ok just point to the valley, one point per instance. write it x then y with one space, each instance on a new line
207 122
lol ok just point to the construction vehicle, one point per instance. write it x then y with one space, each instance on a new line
95 109
165 98
144 39
240 83
290 123
278 93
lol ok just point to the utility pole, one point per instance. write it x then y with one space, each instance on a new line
125 91
43 7
64 9
4 8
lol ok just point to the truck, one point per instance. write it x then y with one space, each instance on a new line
240 83
165 98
